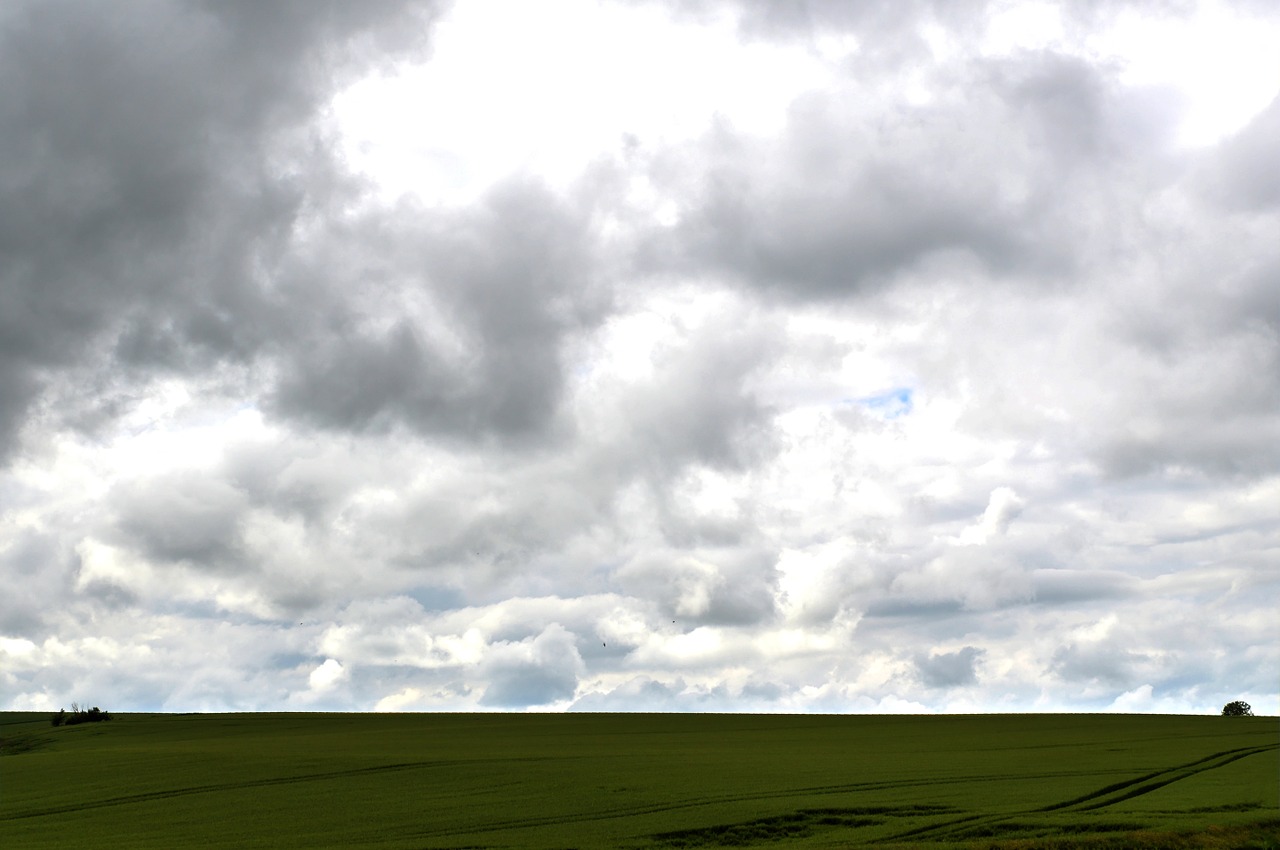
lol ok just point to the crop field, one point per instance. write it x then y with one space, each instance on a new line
392 781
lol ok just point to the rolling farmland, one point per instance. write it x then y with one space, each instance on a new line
638 781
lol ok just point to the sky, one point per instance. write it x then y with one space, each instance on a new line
596 355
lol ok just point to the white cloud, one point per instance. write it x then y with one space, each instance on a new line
1219 61
326 675
621 355
513 87
1002 509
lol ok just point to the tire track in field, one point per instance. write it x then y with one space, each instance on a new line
208 788
718 799
149 796
1157 779
1116 792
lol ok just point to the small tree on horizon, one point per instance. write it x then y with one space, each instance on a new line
1239 708
79 715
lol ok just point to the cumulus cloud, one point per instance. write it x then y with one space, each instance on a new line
1003 508
326 675
949 669
460 326
873 357
158 160
733 587
533 672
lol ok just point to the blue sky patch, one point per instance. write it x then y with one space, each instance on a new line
889 405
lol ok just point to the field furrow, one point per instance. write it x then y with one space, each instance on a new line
1147 783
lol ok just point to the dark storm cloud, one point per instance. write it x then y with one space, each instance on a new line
151 163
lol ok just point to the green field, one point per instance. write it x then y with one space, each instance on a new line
638 781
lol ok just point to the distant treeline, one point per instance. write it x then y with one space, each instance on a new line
79 715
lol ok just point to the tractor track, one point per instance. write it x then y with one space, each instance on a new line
515 823
215 787
1099 799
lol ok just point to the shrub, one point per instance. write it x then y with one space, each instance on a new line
80 715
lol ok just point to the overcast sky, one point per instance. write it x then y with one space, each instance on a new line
697 355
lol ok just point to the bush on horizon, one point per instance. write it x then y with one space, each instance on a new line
79 715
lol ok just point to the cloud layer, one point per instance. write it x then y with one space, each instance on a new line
863 357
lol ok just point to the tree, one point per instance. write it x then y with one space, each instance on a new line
1237 709
79 715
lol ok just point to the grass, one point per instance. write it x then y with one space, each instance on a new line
640 781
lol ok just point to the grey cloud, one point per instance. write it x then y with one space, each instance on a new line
294 477
699 407
1241 448
517 685
889 29
366 379
170 215
188 518
899 607
1098 662
1207 406
725 587
848 201
539 672
639 694
895 21
949 669
109 594
495 529
842 238
644 693
1056 586
1204 353
437 410
151 155
35 570
493 293
107 662
980 577
1062 97
1244 173
1078 116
